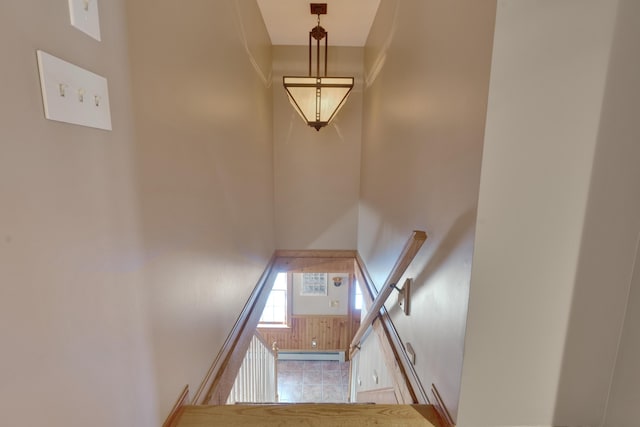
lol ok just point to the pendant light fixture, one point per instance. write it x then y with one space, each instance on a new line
318 98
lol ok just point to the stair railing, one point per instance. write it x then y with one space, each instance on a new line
256 381
216 385
408 386
411 248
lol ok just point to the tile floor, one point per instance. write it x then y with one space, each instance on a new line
313 381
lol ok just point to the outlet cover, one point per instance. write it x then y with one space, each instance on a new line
84 16
72 94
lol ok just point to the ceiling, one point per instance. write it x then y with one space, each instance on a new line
347 21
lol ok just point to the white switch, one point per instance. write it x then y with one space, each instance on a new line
72 94
84 16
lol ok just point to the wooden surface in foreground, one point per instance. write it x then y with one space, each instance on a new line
309 415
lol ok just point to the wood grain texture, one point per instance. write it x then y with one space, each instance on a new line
409 251
219 380
311 415
409 389
330 332
174 415
315 265
315 253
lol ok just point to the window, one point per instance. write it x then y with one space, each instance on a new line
357 302
277 307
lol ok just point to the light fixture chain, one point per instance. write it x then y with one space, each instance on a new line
318 99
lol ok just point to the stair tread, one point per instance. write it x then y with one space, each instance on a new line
309 414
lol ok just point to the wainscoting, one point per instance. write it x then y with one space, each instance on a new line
328 332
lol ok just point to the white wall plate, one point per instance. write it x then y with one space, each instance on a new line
84 16
72 94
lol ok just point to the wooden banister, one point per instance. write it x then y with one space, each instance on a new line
408 386
271 347
219 379
411 248
174 415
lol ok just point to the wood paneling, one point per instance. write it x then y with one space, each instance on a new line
316 265
330 332
312 415
316 253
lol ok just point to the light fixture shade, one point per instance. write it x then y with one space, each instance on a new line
317 99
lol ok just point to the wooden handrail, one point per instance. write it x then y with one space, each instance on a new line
438 404
269 347
409 252
221 375
174 415
404 375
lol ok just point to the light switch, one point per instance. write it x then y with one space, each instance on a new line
84 16
72 94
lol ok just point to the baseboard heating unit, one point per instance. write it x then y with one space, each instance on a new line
311 355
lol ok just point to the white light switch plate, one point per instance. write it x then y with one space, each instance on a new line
72 94
84 16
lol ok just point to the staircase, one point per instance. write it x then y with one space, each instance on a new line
206 408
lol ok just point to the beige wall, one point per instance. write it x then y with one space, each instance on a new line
204 174
126 256
316 172
75 343
320 304
427 70
617 176
622 408
557 217
609 244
